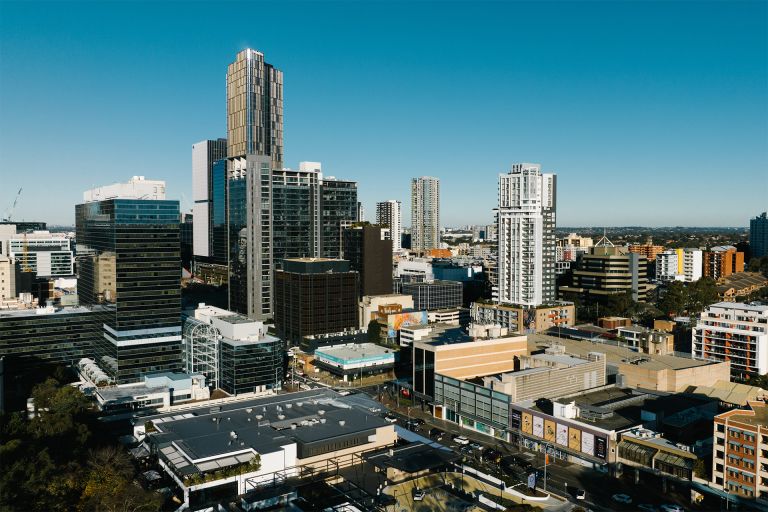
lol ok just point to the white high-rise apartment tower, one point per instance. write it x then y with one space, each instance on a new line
388 214
526 236
425 213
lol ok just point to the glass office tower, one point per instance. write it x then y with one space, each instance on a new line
295 221
128 255
338 210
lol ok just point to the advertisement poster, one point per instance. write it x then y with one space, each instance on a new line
562 434
587 443
538 426
600 447
527 423
549 430
574 439
399 320
514 422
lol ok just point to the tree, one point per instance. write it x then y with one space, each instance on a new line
674 300
374 331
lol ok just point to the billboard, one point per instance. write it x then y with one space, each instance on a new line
527 423
574 439
562 434
600 444
398 320
549 430
587 443
515 418
538 426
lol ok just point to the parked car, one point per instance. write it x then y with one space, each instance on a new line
621 498
672 508
419 494
580 494
476 446
390 419
460 440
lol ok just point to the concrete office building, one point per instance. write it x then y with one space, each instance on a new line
7 279
525 320
388 213
630 369
315 296
45 254
432 295
722 261
526 236
354 360
758 235
209 193
608 271
735 332
425 213
740 452
233 352
128 255
211 453
461 354
373 306
647 341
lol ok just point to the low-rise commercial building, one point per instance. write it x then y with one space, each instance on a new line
217 453
460 354
740 454
156 392
734 332
648 450
524 319
233 352
355 359
374 305
666 373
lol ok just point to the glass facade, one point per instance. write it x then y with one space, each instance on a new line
218 205
295 203
338 209
250 236
472 401
128 253
247 366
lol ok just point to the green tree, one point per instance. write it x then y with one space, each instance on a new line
675 299
701 294
374 331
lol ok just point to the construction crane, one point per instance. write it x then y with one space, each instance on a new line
9 216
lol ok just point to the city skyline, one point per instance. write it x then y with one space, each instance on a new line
674 111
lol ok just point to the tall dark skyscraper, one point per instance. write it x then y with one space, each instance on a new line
254 149
295 213
128 255
758 235
209 185
368 249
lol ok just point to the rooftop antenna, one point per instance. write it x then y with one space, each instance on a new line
604 242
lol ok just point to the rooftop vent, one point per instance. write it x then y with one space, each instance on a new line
281 416
299 404
288 406
322 420
293 426
342 423
249 410
259 416
321 412
233 434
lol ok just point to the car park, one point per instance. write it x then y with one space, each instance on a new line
621 498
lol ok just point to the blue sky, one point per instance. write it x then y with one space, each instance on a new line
651 113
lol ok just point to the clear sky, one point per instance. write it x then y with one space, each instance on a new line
651 113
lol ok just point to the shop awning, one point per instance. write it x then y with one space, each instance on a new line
674 460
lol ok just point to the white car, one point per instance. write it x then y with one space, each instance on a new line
672 508
580 494
621 498
390 419
419 495
461 440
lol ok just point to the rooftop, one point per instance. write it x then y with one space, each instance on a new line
354 351
615 355
759 308
43 311
209 437
412 457
757 415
